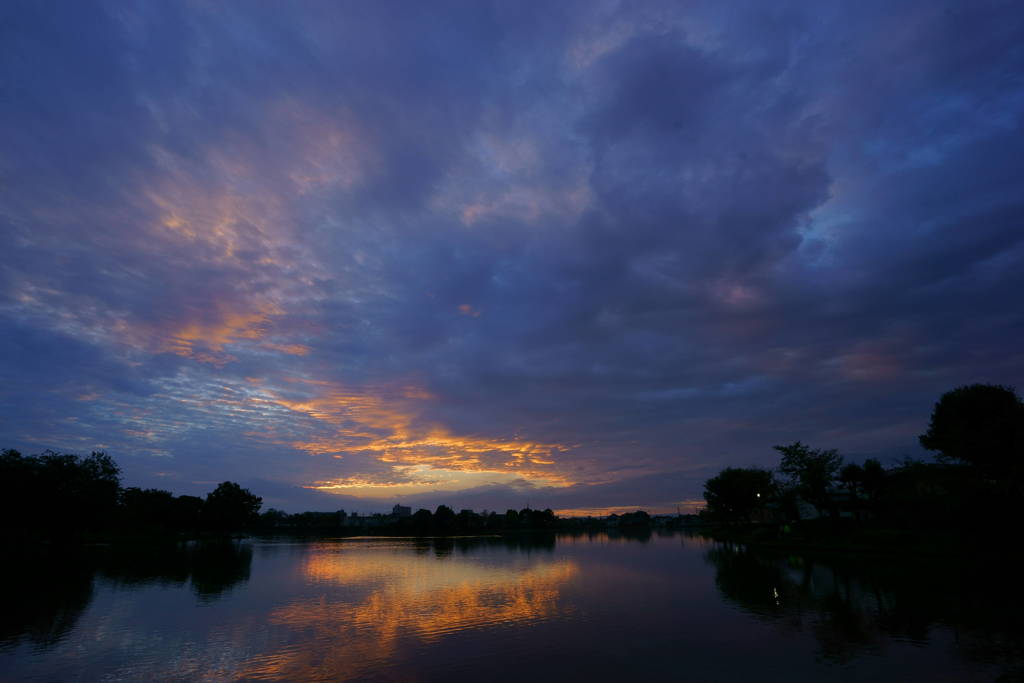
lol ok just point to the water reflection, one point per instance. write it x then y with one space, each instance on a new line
854 606
211 567
45 595
47 590
394 603
597 606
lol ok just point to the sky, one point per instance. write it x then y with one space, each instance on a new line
578 255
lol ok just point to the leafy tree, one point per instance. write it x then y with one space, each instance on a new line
153 508
16 478
863 482
444 518
469 521
872 477
230 507
980 425
736 493
87 487
422 520
58 494
272 517
188 512
811 471
852 477
494 522
638 518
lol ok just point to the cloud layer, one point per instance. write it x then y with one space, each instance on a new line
579 256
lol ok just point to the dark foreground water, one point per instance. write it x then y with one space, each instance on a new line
536 608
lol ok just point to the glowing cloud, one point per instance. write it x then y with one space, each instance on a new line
386 424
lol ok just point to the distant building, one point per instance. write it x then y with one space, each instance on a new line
401 511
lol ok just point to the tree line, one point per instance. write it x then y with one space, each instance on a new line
442 521
977 479
62 496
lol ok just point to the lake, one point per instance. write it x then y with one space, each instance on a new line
666 607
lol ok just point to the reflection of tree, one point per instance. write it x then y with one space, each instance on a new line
744 578
525 542
216 567
212 566
166 564
854 605
444 545
47 591
46 594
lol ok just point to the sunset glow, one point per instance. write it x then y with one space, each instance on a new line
579 256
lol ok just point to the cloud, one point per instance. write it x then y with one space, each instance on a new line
481 252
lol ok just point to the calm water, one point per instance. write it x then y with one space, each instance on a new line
664 607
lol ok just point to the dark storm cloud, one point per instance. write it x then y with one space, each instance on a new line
587 254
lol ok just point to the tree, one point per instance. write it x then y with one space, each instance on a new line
811 471
422 520
872 477
229 507
58 494
852 477
16 484
737 493
148 508
639 518
188 512
273 517
980 425
444 518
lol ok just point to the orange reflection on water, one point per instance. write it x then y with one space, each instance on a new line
422 598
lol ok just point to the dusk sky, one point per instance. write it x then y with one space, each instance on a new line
571 255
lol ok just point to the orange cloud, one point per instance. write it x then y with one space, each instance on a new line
290 349
386 424
231 327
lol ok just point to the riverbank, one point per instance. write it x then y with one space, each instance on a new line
840 537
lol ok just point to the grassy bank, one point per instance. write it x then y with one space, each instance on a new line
839 536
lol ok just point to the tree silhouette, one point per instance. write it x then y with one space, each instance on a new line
737 493
422 520
58 494
852 477
811 471
444 518
230 507
872 477
980 425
